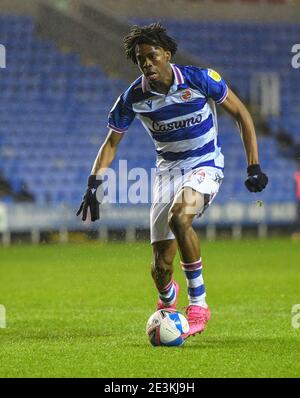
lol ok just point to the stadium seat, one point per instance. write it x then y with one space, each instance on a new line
54 109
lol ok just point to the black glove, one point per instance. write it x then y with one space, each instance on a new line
90 199
256 180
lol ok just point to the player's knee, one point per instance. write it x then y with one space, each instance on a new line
178 218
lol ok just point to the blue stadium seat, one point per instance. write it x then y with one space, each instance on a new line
54 109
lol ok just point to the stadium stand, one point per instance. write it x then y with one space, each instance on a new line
54 109
52 114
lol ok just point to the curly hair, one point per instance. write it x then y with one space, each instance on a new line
153 34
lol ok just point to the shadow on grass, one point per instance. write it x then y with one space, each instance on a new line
128 340
236 342
226 342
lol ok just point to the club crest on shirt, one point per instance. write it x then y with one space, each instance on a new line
186 95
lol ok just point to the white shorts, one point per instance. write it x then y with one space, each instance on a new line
206 180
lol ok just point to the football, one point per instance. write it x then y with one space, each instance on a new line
166 327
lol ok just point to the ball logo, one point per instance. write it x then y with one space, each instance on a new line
186 95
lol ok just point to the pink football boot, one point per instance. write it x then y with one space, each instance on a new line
197 317
162 306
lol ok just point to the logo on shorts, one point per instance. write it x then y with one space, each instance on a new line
200 175
218 179
149 103
186 95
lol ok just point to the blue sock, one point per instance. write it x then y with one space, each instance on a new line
168 294
195 283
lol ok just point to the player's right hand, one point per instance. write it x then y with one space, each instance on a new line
90 200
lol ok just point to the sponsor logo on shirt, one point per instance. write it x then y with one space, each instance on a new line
179 124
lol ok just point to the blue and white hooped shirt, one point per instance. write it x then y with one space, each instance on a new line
182 123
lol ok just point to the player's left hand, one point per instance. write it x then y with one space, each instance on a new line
91 199
257 180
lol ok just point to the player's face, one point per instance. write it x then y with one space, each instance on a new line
153 62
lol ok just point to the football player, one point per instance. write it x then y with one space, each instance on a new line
177 106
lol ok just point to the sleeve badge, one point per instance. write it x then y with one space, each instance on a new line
214 75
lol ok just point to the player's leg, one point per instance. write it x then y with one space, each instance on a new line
195 195
187 204
163 243
162 273
162 263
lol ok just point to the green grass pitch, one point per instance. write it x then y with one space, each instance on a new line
80 311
